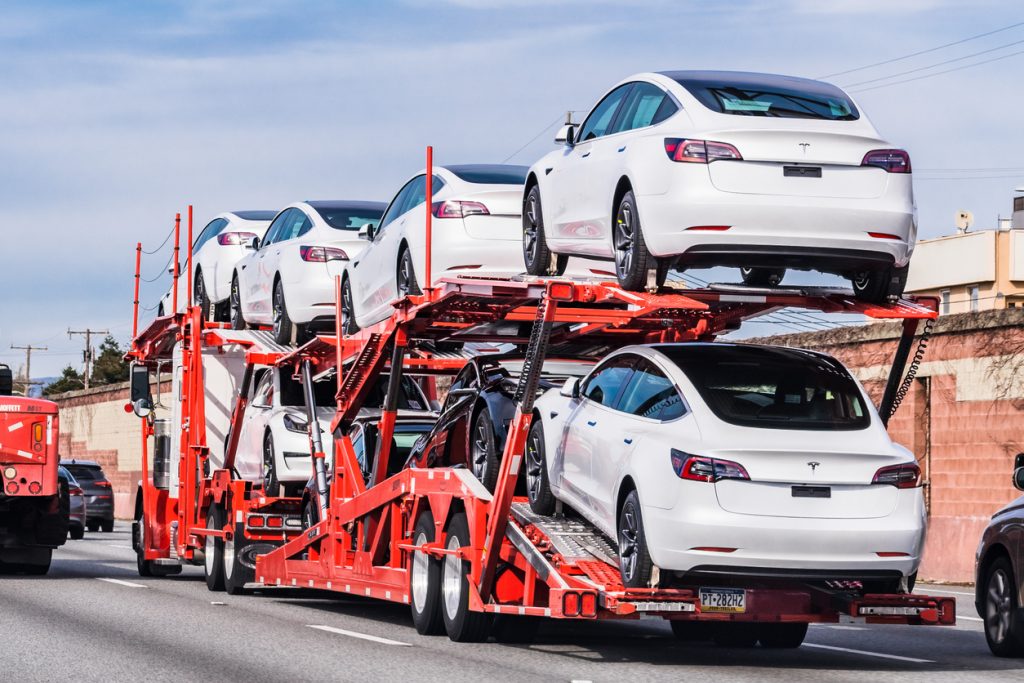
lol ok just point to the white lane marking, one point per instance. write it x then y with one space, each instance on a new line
120 545
928 589
870 654
964 616
356 634
119 582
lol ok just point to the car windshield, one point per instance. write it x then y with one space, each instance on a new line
491 174
324 390
775 96
349 219
758 386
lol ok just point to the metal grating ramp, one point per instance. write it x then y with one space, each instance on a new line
573 538
263 339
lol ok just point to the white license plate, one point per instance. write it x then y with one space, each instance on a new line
732 600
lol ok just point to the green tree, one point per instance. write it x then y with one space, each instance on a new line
109 366
70 380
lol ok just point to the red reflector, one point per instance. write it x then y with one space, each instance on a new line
36 487
602 273
588 606
571 604
887 553
275 522
561 291
712 228
254 520
12 487
74 492
713 549
883 236
103 484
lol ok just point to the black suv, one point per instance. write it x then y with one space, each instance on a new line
99 493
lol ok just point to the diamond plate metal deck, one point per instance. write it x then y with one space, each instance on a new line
573 538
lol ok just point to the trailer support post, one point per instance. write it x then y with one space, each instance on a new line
319 468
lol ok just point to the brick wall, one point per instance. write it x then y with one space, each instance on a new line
963 418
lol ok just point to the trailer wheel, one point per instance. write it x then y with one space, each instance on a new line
236 574
634 558
1000 610
482 450
425 581
538 489
462 624
782 636
213 564
736 635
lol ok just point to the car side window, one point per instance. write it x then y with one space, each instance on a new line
276 227
394 209
605 385
643 106
651 394
212 229
264 396
603 115
296 224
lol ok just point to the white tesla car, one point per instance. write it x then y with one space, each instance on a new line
476 231
274 442
723 459
220 245
287 281
709 168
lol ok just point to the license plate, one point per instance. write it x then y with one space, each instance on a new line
733 600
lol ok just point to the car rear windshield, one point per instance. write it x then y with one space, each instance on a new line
86 473
347 219
491 174
790 98
256 215
756 386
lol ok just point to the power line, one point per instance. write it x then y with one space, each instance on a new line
28 349
924 52
939 73
534 138
88 353
932 66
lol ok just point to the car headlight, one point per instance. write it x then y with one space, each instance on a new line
294 423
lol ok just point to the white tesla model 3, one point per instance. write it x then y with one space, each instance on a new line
717 458
708 168
287 281
220 245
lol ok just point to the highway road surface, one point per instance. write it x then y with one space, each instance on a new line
94 619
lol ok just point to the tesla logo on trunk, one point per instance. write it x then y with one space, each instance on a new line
804 146
813 465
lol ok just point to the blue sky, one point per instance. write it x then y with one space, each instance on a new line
115 115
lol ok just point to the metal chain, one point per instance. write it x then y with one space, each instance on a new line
915 364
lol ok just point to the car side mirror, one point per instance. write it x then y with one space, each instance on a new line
566 135
571 388
140 396
253 243
1018 478
368 232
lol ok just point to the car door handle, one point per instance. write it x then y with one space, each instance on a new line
554 414
592 423
622 149
584 156
627 441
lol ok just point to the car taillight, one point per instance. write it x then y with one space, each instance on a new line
103 484
226 239
700 151
892 160
698 468
322 254
905 476
457 209
76 492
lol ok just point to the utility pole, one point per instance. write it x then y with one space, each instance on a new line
28 361
87 354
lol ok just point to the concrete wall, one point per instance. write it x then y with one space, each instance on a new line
963 418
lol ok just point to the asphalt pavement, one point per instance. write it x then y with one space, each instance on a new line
94 619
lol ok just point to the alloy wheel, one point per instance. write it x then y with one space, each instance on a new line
420 573
998 606
628 543
235 304
451 586
479 450
534 465
278 309
624 238
405 275
530 230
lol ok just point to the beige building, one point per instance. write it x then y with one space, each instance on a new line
976 270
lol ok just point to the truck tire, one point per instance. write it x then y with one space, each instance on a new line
782 636
425 581
213 562
736 635
236 574
462 624
145 566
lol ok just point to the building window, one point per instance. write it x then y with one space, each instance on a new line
945 301
974 298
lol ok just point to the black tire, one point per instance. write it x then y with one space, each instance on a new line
213 565
462 624
348 311
107 526
632 260
483 451
76 533
690 631
405 275
635 562
538 489
425 581
93 525
236 574
762 277
537 257
514 629
235 306
144 566
310 515
201 298
782 636
878 286
1000 611
284 329
736 635
271 485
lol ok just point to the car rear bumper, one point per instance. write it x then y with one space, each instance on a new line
101 508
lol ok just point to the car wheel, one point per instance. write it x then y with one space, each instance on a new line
201 298
93 526
284 330
213 561
782 636
462 624
107 526
271 485
1002 626
539 259
348 309
632 260
538 488
235 306
762 277
406 275
878 286
310 515
76 533
634 558
483 451
425 580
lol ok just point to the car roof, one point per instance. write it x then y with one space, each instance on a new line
334 204
762 349
718 78
86 463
